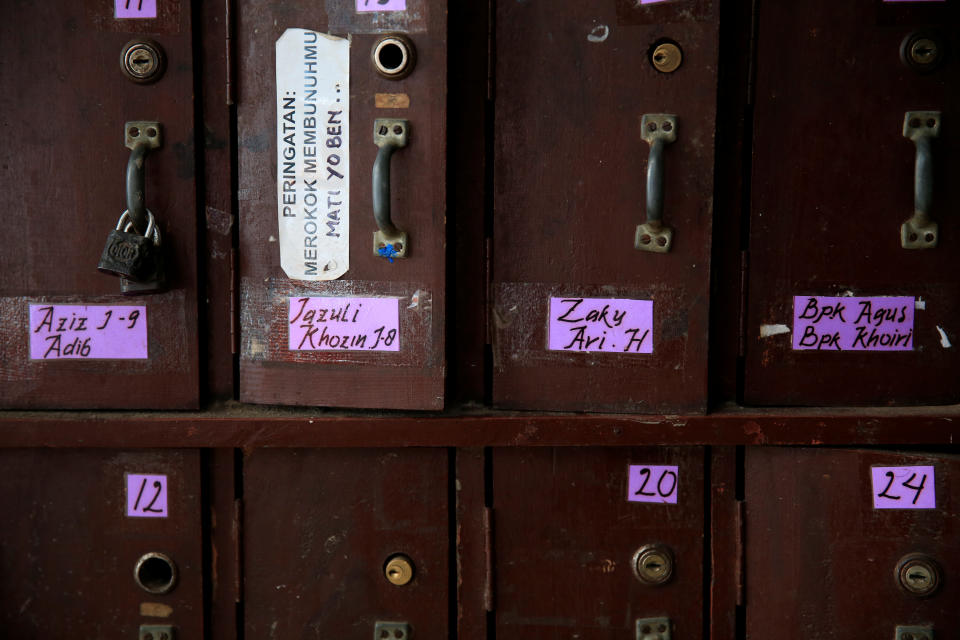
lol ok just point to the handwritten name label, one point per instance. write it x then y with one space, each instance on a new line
146 496
135 8
652 483
61 332
903 487
608 325
347 324
853 324
381 5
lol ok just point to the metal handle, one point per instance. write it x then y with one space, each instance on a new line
920 231
140 137
658 130
389 134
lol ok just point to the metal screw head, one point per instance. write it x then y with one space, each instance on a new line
653 564
666 57
918 574
142 61
398 570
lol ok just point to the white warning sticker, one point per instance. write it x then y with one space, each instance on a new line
313 154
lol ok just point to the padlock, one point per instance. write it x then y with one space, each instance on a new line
130 287
130 255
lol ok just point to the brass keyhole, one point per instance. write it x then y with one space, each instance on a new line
918 574
653 564
398 570
924 51
142 60
666 57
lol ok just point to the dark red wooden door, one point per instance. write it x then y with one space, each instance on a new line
566 538
62 186
326 363
833 181
69 548
823 561
319 529
573 81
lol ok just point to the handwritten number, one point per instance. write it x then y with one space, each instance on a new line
106 320
884 494
133 318
646 473
140 494
918 489
673 485
149 508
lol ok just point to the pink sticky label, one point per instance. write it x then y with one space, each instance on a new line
135 8
608 325
344 324
381 5
652 483
853 324
903 488
146 496
94 332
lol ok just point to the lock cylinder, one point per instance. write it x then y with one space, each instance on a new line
394 56
155 573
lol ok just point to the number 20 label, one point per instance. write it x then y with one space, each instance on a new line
903 488
652 483
146 496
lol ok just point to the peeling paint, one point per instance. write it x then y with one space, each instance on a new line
767 330
599 33
920 304
944 340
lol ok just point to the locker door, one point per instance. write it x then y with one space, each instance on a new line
332 538
86 533
574 82
62 174
332 314
572 539
840 312
823 561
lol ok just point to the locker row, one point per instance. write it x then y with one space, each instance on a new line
641 542
606 206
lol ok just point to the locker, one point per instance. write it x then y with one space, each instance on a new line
827 556
575 554
359 321
63 176
345 542
841 308
85 539
582 193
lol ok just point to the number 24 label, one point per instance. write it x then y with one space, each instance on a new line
652 483
146 496
903 488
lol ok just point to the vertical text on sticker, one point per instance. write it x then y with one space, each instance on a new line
836 323
92 332
653 483
608 325
146 496
903 487
347 324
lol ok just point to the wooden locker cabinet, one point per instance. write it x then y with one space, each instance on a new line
64 165
833 180
69 548
820 556
572 84
270 372
319 529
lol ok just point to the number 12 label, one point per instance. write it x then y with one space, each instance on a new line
652 483
146 496
903 488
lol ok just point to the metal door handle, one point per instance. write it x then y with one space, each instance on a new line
920 231
140 137
389 134
658 130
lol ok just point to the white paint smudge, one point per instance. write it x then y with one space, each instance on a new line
273 238
599 33
920 304
767 330
944 340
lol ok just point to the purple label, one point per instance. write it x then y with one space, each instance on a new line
903 488
853 324
62 331
344 324
652 483
146 496
609 325
381 5
136 8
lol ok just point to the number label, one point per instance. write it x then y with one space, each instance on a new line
653 483
903 488
146 496
136 8
381 5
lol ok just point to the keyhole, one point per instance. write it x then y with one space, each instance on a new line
919 577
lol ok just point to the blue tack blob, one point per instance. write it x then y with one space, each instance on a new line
387 252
